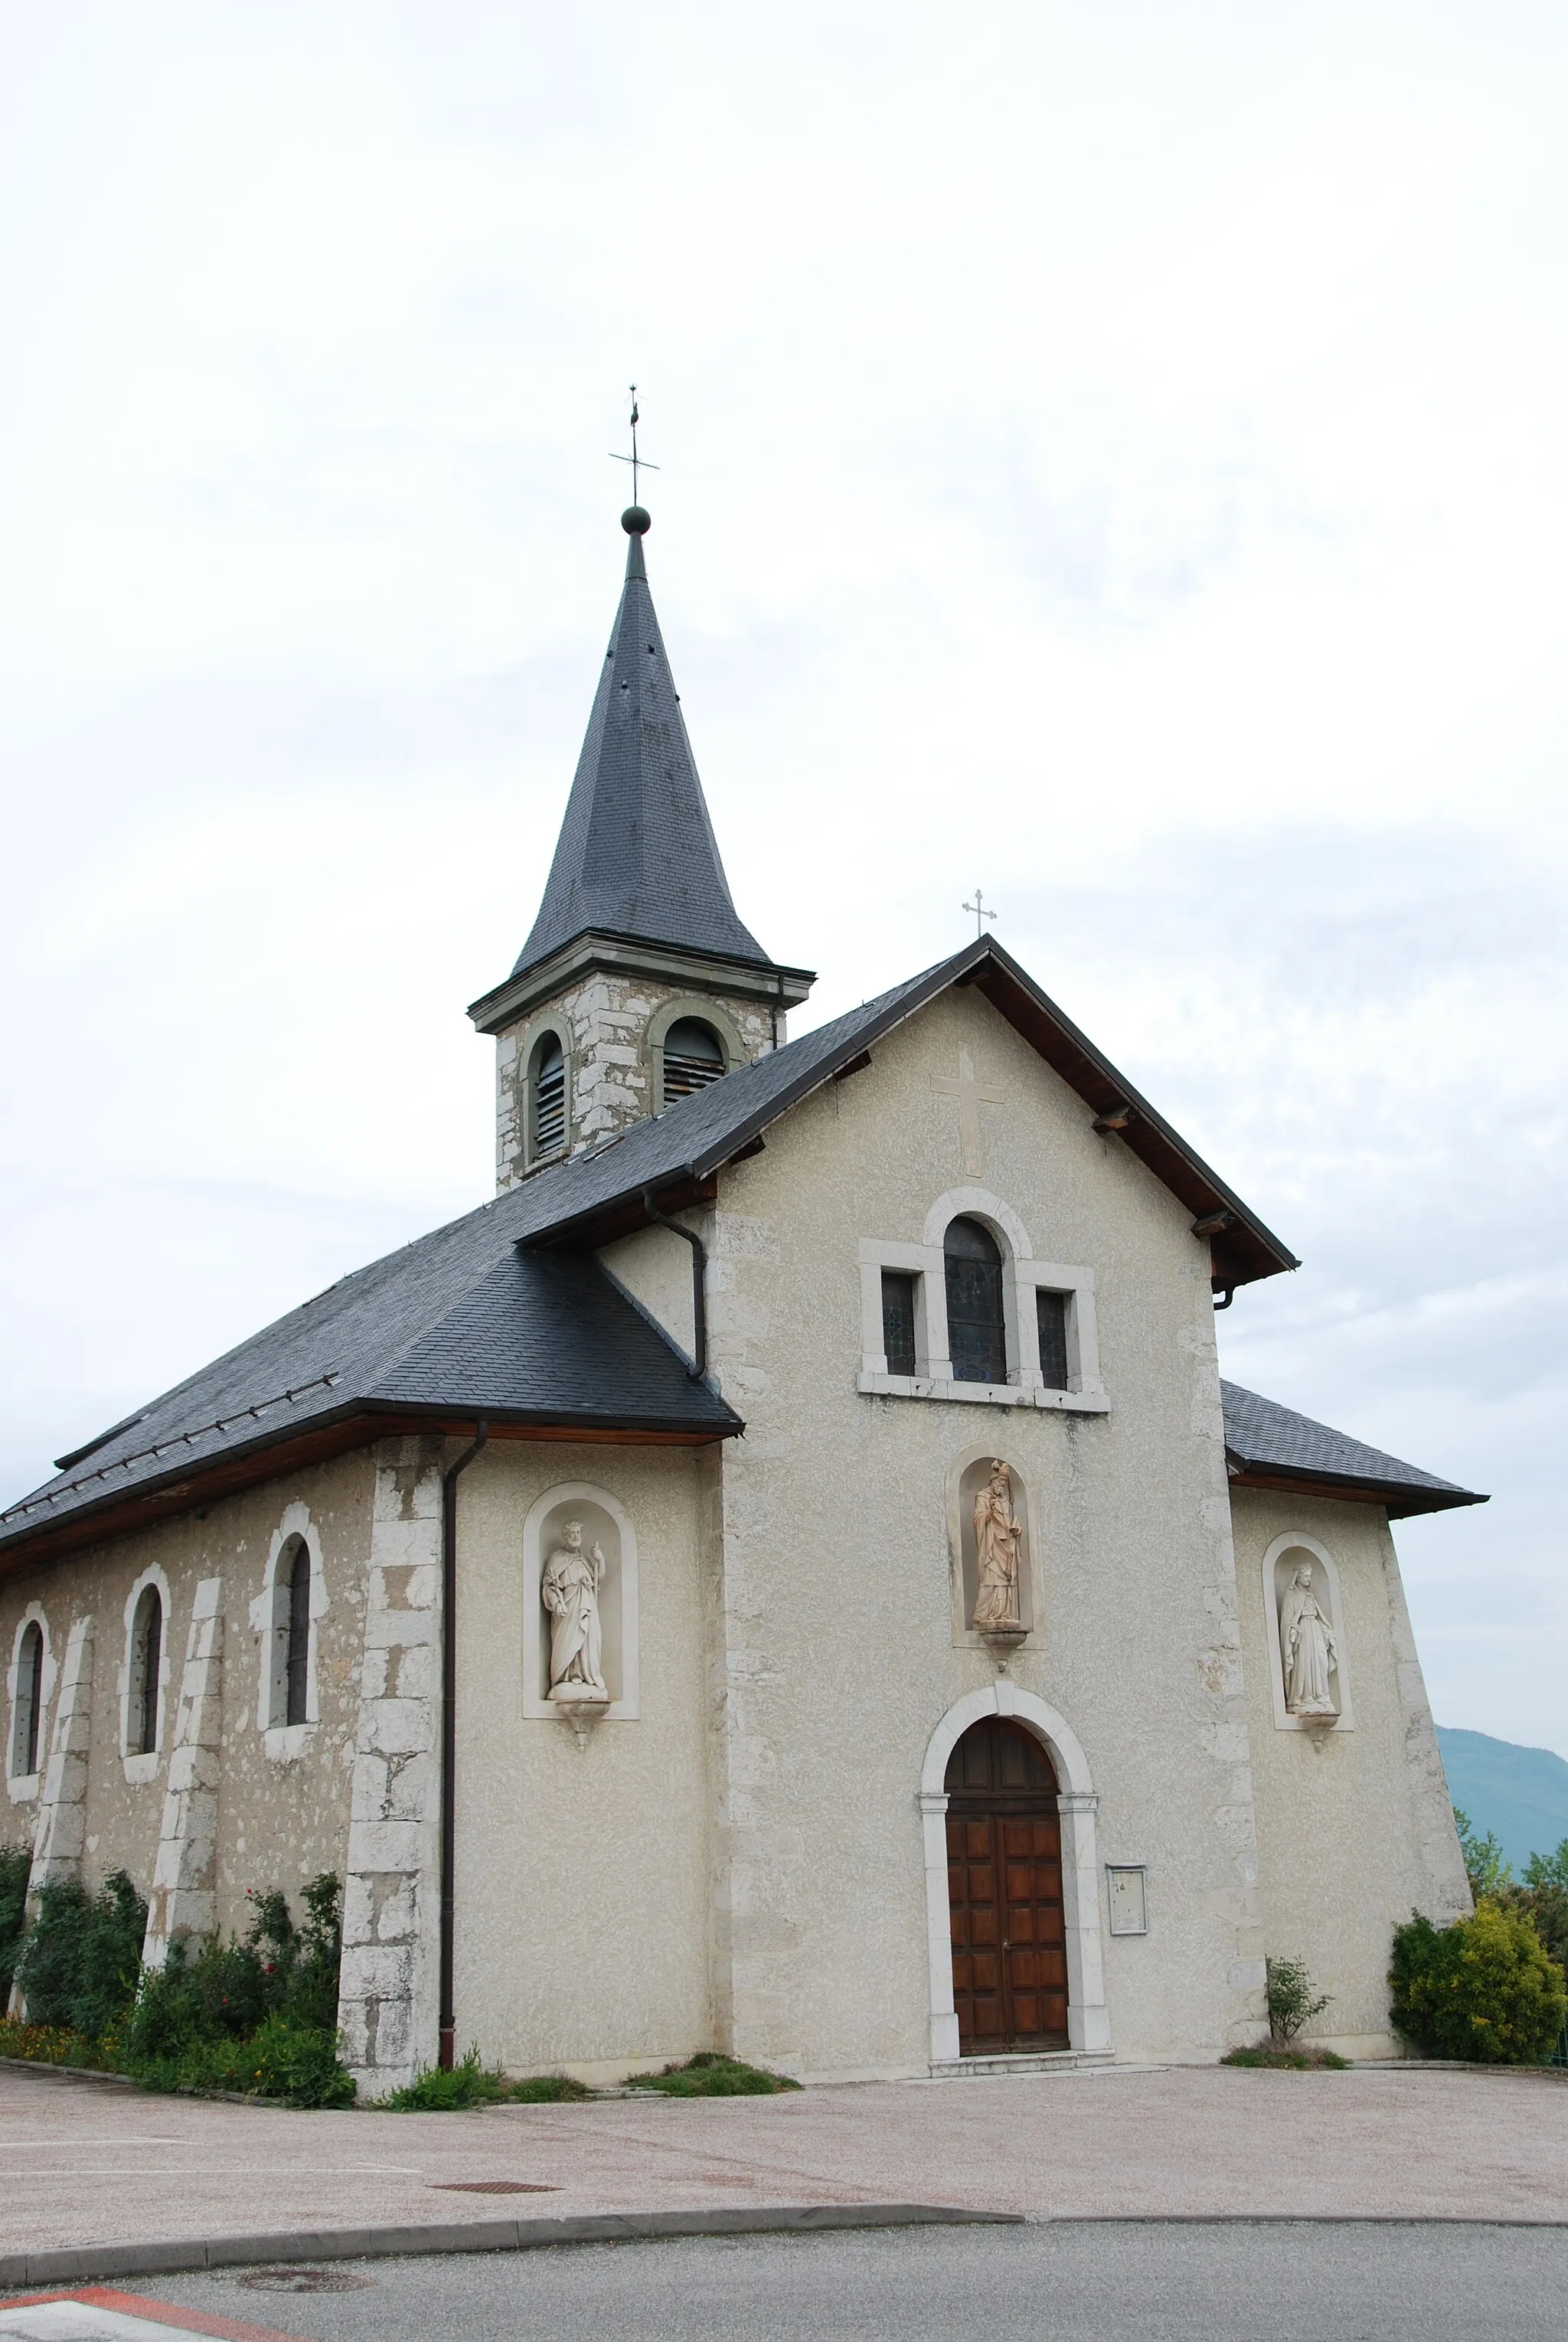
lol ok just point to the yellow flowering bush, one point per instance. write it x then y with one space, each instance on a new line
1484 1988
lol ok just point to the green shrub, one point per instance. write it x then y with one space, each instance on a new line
1291 2002
259 2015
296 2063
710 2075
80 1959
1482 1990
1483 1861
1548 1869
1545 1906
437 2090
15 1863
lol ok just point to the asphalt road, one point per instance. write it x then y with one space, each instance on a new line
1079 2281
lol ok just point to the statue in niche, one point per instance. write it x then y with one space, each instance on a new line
569 1589
1307 1652
998 1541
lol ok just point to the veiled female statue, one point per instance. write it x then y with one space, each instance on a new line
998 1540
569 1589
1306 1649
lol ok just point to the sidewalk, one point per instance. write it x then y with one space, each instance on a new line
90 2164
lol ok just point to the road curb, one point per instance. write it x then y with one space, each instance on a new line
71 2263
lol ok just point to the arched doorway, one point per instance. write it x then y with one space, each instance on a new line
1004 1892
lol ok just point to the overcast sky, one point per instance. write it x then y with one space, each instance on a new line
1111 454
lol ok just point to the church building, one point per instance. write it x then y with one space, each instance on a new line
784 1576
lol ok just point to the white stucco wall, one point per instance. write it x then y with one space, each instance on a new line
1355 1826
582 1873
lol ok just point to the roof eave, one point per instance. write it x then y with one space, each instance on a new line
1243 1251
355 1424
591 946
1399 1499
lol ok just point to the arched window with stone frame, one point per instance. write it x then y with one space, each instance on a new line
976 1312
694 1058
691 1043
295 1618
27 1701
547 1097
147 1631
287 1615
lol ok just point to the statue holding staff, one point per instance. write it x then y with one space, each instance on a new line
998 1544
569 1589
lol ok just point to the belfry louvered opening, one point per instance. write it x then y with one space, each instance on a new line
694 1058
547 1097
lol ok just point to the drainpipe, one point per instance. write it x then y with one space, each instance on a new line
448 2018
699 1364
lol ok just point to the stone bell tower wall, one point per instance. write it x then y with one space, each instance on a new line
611 1020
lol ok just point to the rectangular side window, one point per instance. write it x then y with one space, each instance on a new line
898 1320
1052 1311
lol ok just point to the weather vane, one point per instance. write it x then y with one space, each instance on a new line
980 911
637 462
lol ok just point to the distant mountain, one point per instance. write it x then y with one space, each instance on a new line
1521 1794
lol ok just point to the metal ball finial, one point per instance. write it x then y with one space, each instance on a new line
635 520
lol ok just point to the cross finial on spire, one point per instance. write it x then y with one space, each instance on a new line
637 462
981 913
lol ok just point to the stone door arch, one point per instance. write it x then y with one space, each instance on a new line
1088 2022
1004 1892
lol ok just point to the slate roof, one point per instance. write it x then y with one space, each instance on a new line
636 854
461 1323
496 1313
1271 1442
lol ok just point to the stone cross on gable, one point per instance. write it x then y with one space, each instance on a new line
971 1096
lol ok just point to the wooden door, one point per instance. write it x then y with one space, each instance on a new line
1005 1890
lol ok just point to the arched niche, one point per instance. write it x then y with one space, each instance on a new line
605 1523
1287 1553
967 1475
1088 2019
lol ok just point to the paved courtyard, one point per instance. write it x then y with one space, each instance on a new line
91 2163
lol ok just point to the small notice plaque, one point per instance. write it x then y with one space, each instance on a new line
1128 1908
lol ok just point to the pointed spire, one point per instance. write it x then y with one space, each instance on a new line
636 854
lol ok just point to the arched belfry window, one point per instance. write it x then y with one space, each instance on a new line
28 1714
976 1329
547 1097
146 1670
295 1624
694 1058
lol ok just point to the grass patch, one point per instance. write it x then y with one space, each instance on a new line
710 2075
547 2090
437 2090
1293 2061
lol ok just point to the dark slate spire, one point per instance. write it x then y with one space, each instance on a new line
636 854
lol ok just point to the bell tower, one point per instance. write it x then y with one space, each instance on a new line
638 983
